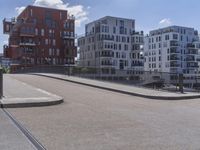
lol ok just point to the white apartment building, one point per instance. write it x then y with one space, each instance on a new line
172 50
111 44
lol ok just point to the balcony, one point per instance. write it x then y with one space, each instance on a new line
192 65
68 37
107 54
190 59
137 64
26 29
107 38
174 65
106 63
174 58
174 44
70 51
71 17
27 44
174 51
26 34
198 59
192 52
192 46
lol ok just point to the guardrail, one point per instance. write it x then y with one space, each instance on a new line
149 79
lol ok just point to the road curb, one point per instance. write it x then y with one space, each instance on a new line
124 92
32 104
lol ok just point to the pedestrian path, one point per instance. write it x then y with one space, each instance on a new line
126 89
11 137
19 94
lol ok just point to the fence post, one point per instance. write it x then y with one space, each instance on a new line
181 83
1 83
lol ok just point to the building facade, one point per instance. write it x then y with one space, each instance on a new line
111 44
172 50
41 36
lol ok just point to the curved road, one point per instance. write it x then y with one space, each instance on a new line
95 119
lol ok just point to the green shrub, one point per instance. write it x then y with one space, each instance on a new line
5 69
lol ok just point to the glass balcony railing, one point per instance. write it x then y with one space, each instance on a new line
174 44
174 51
174 65
174 58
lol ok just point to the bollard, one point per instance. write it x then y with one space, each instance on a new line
181 83
1 83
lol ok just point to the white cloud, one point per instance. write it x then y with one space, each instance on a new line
79 11
165 22
19 9
5 42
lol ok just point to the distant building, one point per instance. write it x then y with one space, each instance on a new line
172 49
41 36
4 62
111 44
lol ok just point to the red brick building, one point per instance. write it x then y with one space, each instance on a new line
41 36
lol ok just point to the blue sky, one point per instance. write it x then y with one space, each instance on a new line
149 14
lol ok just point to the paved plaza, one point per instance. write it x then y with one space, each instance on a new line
125 89
97 119
20 94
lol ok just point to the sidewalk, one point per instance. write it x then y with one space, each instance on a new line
19 94
11 137
125 89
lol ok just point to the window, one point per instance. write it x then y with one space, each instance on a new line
165 44
36 31
114 30
54 42
149 65
46 42
166 37
7 27
120 47
125 47
31 12
50 52
149 40
42 32
133 24
60 15
175 36
121 23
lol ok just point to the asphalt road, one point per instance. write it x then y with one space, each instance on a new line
95 119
